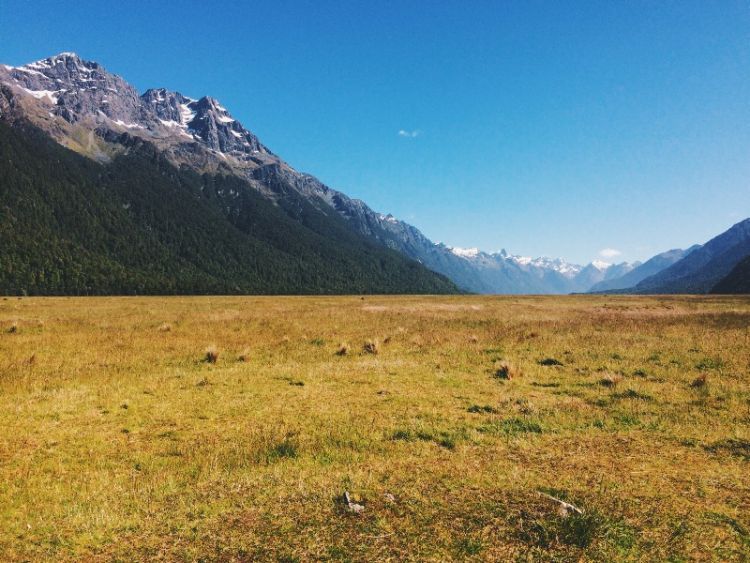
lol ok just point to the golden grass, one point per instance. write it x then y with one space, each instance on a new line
118 441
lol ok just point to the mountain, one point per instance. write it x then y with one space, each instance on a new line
202 149
650 267
737 281
501 272
107 192
703 268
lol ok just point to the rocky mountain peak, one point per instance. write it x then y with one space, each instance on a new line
77 90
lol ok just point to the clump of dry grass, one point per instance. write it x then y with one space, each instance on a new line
343 349
371 347
244 356
507 371
212 354
610 380
700 381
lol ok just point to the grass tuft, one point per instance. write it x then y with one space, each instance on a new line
507 371
212 355
700 381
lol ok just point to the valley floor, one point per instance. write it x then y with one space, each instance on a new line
118 440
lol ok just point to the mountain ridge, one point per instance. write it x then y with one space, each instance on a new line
700 270
96 113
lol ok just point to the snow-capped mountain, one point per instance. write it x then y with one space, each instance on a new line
539 275
98 114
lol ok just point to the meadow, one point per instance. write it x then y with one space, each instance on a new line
229 428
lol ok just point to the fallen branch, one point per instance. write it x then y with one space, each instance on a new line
565 509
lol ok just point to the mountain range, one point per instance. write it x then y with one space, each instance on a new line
106 190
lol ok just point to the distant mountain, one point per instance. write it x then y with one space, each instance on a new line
501 272
703 268
737 281
642 271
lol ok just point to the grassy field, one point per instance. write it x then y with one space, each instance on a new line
121 440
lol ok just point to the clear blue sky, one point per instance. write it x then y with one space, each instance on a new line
547 128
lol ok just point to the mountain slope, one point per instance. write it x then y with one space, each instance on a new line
136 224
700 270
737 281
649 268
99 115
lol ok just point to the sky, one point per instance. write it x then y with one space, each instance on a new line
582 130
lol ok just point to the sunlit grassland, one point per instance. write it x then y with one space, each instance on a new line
118 440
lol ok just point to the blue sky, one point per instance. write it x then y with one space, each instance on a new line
546 128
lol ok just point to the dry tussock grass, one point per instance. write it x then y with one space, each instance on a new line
207 462
212 354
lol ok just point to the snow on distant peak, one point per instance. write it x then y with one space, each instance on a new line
44 94
186 113
523 260
388 218
464 252
600 264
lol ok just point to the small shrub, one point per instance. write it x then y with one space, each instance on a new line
640 373
318 342
700 381
632 394
402 435
371 347
447 442
709 363
212 354
284 449
507 371
13 328
610 380
550 362
343 350
538 526
511 427
482 409
733 446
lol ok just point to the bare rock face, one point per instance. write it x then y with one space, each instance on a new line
79 91
76 89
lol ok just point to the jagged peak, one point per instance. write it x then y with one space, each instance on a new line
64 57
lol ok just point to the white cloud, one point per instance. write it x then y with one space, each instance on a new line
408 134
609 252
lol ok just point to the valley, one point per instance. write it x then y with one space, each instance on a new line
229 428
